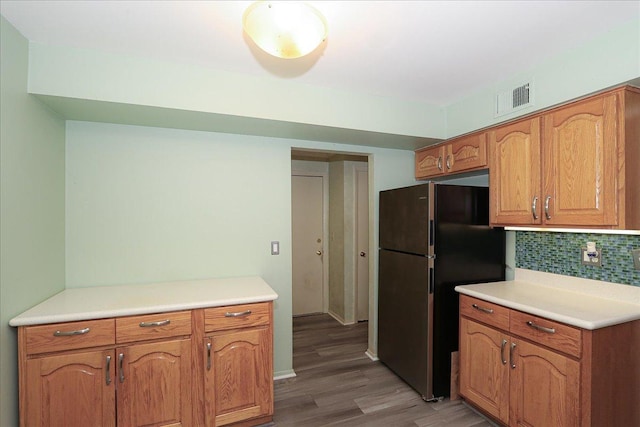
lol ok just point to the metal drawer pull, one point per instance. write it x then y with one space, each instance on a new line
158 323
546 207
448 161
120 362
541 328
504 344
208 356
440 163
511 361
71 333
534 207
238 314
485 310
107 375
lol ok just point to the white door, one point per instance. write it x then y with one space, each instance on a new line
307 246
362 244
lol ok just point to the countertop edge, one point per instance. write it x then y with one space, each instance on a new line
548 314
98 314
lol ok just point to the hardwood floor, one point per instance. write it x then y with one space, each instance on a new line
338 385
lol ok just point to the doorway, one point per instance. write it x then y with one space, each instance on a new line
342 254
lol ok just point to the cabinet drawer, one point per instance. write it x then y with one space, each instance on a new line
153 326
237 316
540 330
485 312
69 336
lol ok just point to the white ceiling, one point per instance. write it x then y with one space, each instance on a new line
430 51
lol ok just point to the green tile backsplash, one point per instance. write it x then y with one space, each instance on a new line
559 253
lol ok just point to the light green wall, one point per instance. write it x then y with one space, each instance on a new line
609 59
31 206
93 75
149 204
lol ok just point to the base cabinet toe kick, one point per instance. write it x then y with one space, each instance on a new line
520 369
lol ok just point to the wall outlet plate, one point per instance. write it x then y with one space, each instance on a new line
636 258
595 261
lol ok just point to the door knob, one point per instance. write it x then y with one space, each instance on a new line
318 253
363 254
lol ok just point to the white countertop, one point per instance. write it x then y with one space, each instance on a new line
124 300
568 305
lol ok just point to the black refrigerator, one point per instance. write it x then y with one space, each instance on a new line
433 237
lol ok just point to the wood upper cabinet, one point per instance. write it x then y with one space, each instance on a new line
514 181
75 389
576 165
154 384
458 155
430 162
580 166
239 364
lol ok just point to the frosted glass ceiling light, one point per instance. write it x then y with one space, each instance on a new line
286 29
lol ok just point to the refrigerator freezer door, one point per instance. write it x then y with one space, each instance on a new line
404 219
405 309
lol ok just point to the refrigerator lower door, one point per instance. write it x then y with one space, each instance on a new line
405 309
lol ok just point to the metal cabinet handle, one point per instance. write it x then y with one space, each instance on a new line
120 363
511 361
541 328
546 207
448 162
208 356
70 333
439 162
504 359
484 310
107 375
158 323
238 314
534 207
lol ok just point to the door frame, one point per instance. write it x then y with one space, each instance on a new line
362 167
325 228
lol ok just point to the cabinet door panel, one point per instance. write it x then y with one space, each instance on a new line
484 378
238 383
580 163
154 384
544 387
514 179
429 162
466 153
71 390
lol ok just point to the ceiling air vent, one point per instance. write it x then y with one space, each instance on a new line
514 99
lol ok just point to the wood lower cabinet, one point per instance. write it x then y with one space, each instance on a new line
525 370
154 384
73 389
150 370
462 154
574 165
239 372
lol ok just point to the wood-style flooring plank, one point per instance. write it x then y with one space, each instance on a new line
336 384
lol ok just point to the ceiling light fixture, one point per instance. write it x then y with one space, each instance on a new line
286 29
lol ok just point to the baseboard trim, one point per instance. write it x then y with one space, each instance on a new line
339 319
371 356
284 375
